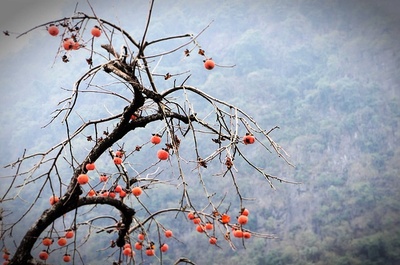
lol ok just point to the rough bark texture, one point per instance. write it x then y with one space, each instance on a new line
71 199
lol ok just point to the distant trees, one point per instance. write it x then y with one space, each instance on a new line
117 170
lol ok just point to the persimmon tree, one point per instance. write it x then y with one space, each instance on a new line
113 170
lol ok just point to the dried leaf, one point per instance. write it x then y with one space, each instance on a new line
167 76
187 52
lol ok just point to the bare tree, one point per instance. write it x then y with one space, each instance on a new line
131 69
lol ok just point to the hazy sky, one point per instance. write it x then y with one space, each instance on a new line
17 16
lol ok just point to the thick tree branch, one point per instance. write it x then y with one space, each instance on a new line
23 252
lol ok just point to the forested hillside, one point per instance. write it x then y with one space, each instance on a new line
327 73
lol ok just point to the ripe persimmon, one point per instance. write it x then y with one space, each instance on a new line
122 194
118 189
242 219
213 240
128 252
119 153
164 247
246 235
190 216
69 233
150 252
155 139
117 160
53 30
196 220
162 154
6 255
225 218
91 193
137 191
83 179
47 241
96 31
209 226
209 64
43 255
138 245
238 233
200 228
103 178
248 139
62 241
53 199
76 45
90 166
67 258
68 44
141 236
245 212
168 233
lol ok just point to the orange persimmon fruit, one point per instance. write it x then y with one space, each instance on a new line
138 245
68 44
69 233
118 189
242 219
209 226
90 166
119 153
67 258
141 236
117 160
196 220
168 233
238 233
128 252
225 218
83 179
200 228
246 235
62 241
96 31
91 193
47 241
213 240
245 212
209 64
248 139
164 247
103 178
162 154
137 191
122 194
53 199
53 30
150 252
155 139
43 255
190 216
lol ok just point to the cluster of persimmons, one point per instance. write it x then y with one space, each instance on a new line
74 43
